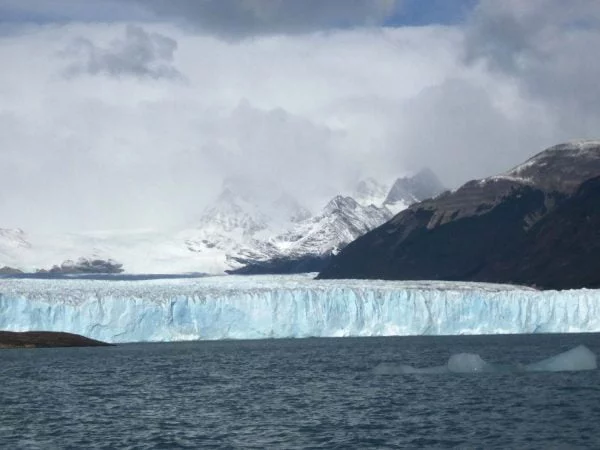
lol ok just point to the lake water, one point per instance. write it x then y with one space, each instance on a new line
305 393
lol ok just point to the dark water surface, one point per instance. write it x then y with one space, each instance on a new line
309 393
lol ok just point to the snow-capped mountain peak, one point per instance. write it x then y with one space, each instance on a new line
239 225
570 161
340 204
247 222
341 221
232 212
412 189
252 207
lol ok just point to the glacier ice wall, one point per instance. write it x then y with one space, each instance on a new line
287 306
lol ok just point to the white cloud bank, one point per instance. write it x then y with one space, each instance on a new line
140 123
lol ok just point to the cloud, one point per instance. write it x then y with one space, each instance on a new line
224 18
43 11
546 46
311 111
114 151
138 53
463 130
241 18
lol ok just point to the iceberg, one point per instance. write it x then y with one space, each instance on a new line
577 359
257 307
468 363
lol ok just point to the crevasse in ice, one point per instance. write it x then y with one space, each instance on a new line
287 306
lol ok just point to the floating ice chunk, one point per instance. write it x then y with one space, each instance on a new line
578 358
468 363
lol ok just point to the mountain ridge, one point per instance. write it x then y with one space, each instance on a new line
313 242
247 224
465 234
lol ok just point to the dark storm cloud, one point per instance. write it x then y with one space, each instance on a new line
44 11
139 53
225 18
240 18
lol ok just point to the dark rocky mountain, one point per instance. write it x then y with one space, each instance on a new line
561 250
285 265
535 224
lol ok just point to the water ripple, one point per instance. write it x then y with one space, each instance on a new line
312 393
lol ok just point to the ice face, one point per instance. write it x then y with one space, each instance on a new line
577 359
238 307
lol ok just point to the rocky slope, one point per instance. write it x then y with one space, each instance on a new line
561 250
529 225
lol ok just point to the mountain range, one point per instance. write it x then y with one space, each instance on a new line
536 224
251 227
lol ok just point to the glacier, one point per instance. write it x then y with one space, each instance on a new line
257 307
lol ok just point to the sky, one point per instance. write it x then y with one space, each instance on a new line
132 113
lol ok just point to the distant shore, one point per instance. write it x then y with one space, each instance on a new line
35 339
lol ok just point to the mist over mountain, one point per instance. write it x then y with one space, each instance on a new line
310 245
412 189
369 191
251 226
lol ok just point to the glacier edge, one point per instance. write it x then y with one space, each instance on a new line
286 307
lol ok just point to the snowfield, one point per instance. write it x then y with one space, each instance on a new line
237 307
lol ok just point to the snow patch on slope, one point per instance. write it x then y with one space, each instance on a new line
576 149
